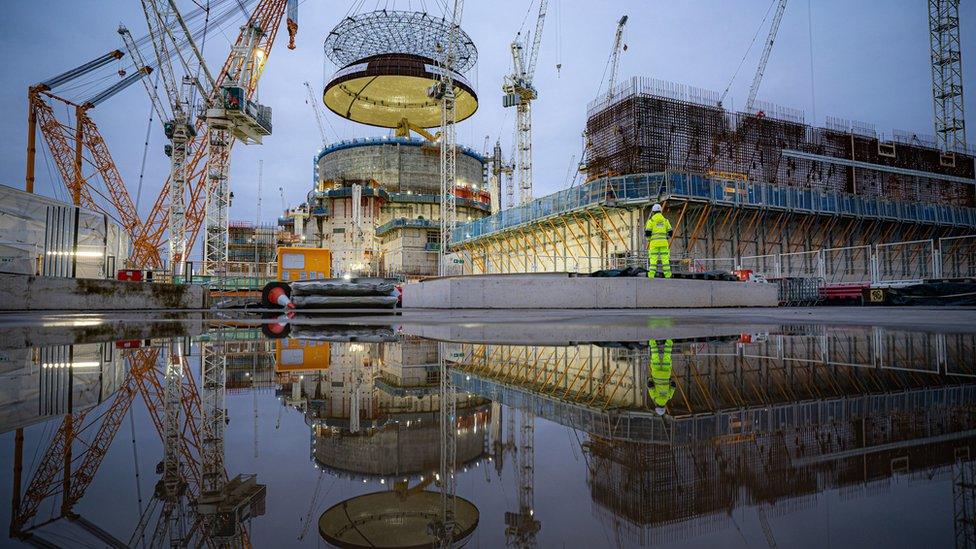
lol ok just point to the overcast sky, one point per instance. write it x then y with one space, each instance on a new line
870 63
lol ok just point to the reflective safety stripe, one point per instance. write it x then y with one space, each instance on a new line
659 226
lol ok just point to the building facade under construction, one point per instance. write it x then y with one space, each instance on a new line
735 185
375 203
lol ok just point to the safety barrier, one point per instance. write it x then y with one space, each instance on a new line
905 261
957 257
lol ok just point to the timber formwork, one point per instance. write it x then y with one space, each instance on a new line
601 222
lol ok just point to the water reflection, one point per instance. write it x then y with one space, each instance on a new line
679 435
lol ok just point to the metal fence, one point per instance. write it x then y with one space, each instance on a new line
905 261
957 257
892 263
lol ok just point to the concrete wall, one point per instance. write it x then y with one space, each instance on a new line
41 293
562 291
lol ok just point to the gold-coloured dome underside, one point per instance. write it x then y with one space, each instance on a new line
386 100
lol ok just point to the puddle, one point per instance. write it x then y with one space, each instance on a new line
310 432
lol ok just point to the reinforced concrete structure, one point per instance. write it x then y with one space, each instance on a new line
376 204
733 184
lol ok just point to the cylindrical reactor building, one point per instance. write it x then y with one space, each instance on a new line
376 204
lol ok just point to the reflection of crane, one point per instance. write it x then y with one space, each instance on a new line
312 505
318 114
444 92
766 528
443 527
519 93
757 79
522 527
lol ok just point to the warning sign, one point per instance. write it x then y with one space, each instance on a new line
877 296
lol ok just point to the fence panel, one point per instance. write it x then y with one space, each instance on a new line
766 265
705 264
958 256
848 265
801 264
905 261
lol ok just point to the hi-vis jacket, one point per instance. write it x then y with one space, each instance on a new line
658 228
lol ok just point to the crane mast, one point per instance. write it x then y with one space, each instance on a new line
767 49
519 93
946 57
176 126
203 172
444 92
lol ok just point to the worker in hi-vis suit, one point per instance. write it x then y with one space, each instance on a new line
660 386
658 231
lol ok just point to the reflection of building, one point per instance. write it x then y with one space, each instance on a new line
374 410
664 493
44 382
768 419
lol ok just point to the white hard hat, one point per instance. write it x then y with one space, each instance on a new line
661 410
656 208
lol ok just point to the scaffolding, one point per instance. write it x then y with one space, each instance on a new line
654 126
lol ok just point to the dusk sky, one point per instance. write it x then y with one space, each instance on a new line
870 63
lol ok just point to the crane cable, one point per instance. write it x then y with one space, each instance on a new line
749 49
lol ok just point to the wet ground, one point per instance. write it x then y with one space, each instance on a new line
780 427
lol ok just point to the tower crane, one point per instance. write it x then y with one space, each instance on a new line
444 92
764 58
519 93
207 167
618 46
318 114
176 124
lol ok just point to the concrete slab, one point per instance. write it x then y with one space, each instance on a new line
45 293
565 291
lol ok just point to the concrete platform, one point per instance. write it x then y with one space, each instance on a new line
568 291
47 293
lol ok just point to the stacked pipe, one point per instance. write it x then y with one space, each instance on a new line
333 293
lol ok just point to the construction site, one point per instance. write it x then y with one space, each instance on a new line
723 326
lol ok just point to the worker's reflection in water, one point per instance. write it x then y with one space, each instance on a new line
660 386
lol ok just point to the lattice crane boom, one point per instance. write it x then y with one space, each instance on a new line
618 39
318 113
267 15
764 58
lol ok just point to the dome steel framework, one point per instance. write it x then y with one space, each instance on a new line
405 32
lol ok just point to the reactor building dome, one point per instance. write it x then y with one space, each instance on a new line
388 60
